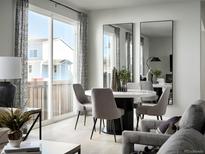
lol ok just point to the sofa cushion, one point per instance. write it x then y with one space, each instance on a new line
184 141
169 125
193 117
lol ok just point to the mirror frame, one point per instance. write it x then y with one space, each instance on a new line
172 62
103 27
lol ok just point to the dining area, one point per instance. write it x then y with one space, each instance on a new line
116 110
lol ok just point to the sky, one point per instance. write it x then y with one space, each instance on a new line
38 26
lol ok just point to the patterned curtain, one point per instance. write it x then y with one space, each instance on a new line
117 34
82 53
21 45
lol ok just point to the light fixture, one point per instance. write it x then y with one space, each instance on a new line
10 68
151 59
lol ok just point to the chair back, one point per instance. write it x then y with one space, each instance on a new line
133 86
163 102
80 94
146 85
104 105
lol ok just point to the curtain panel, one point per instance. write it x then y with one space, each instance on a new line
117 34
82 52
21 46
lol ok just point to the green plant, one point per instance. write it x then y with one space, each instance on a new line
14 119
157 73
124 75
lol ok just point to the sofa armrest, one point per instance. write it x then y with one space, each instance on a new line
129 138
147 125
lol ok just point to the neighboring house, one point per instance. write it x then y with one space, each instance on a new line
38 53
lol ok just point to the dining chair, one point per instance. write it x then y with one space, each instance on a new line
83 104
147 85
132 86
104 107
156 110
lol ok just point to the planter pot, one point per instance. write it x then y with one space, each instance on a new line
154 79
123 86
15 138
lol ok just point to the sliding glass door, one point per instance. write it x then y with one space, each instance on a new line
52 50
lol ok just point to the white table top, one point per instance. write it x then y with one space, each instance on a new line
52 147
132 93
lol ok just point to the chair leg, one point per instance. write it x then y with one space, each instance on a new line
138 117
77 120
142 117
161 117
85 117
121 124
103 123
100 126
157 117
113 128
95 120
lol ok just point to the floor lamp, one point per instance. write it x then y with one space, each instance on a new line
149 72
10 68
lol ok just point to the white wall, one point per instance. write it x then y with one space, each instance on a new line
6 27
186 16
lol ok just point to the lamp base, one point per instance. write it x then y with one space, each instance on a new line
7 94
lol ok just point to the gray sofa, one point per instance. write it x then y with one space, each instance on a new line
188 139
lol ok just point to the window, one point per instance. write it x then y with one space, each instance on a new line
52 56
33 53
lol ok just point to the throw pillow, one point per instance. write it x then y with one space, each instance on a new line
169 126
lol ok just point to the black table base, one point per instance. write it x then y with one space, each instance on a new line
127 118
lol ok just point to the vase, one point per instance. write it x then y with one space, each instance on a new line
15 138
154 79
123 86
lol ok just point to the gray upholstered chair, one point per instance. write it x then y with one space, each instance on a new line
191 121
147 85
104 107
83 104
156 110
132 86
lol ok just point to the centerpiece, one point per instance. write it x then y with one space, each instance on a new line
124 76
14 119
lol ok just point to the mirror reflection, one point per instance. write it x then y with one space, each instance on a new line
156 50
117 50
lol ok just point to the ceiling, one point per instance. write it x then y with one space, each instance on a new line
109 4
156 29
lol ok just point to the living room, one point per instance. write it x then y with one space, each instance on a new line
63 42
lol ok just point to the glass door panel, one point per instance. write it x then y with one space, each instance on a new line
38 34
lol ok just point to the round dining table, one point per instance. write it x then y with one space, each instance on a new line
124 100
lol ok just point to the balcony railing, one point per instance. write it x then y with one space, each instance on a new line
61 97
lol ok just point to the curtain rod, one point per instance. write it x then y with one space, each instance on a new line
65 6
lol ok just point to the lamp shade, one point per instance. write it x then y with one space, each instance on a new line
155 59
10 68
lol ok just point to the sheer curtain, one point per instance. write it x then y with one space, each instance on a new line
82 52
117 35
21 45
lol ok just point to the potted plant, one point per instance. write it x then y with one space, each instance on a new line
124 76
156 74
14 119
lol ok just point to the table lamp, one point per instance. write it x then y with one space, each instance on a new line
151 59
10 68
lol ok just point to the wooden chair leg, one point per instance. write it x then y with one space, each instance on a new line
77 120
100 126
161 117
121 124
157 117
85 117
138 117
95 120
113 128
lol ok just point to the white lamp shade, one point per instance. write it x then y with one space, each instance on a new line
10 68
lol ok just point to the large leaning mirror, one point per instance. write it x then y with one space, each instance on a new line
156 54
117 50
